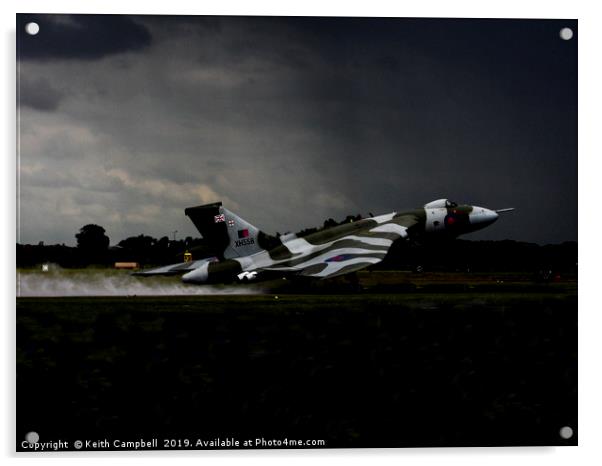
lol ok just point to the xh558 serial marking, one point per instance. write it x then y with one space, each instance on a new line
244 253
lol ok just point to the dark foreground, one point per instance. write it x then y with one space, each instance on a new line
366 370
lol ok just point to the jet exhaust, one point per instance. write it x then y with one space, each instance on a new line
106 282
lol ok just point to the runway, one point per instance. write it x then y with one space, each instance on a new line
370 369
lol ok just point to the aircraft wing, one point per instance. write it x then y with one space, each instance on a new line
174 269
346 253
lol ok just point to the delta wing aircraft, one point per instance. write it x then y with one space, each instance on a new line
245 253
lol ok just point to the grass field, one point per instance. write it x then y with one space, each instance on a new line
446 363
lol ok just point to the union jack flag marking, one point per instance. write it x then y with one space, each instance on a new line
219 218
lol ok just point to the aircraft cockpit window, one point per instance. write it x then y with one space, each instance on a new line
451 204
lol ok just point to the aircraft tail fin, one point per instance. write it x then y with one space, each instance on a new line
228 234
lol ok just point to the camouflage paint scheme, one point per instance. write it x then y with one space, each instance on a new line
244 253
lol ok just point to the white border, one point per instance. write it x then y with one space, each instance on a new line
590 152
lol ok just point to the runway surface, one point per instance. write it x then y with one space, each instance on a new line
443 363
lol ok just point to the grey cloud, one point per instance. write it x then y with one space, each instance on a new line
39 94
295 121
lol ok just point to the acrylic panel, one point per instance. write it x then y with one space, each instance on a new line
295 232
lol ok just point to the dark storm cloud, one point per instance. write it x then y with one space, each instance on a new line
82 37
293 120
38 94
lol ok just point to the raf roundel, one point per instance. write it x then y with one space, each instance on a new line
339 258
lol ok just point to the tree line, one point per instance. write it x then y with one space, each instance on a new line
93 248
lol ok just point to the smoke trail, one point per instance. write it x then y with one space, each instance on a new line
108 282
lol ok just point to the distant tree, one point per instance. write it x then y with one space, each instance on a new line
177 245
138 243
92 245
142 248
92 238
307 231
163 243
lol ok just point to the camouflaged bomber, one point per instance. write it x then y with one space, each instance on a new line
245 253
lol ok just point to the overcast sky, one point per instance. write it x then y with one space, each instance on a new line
125 121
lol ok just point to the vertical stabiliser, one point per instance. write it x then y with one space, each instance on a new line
228 235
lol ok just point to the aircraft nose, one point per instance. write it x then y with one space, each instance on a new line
482 217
